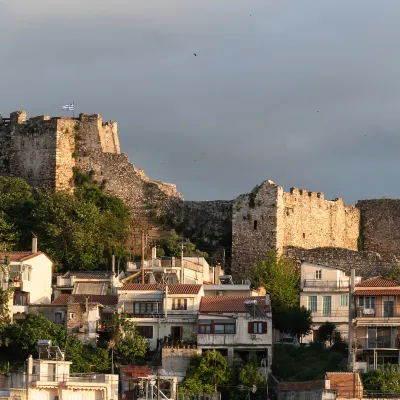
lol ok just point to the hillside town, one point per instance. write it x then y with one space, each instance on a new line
272 295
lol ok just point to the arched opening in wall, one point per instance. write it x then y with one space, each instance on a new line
304 235
255 224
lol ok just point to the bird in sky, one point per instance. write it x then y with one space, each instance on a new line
195 54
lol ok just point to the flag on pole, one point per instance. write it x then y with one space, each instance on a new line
69 107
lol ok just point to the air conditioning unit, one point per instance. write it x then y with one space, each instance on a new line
253 336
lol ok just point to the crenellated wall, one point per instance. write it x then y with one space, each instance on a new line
270 219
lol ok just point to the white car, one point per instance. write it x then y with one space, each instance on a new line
290 341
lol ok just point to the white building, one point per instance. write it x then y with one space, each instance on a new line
29 274
165 313
237 326
324 291
49 378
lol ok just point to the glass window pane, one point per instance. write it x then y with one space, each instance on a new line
219 329
229 328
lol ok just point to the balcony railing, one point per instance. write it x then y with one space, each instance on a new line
325 285
374 313
381 342
332 313
145 315
69 378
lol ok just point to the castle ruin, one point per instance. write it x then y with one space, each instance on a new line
301 224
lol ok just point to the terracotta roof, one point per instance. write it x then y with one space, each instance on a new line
218 304
172 289
20 256
105 300
378 281
299 386
89 274
377 292
345 385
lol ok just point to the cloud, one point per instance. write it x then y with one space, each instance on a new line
287 94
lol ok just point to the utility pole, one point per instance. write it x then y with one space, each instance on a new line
142 256
350 320
182 269
223 257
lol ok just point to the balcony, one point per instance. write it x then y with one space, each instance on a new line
71 378
365 316
381 342
327 286
145 315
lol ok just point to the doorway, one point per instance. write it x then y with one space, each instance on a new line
176 334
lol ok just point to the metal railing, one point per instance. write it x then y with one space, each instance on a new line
372 313
332 313
100 378
145 315
327 285
383 342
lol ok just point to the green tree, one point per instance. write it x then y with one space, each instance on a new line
387 380
171 246
75 232
206 373
326 332
296 321
250 376
125 340
280 277
9 235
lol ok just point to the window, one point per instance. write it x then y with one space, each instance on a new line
255 225
258 327
388 306
304 235
312 303
326 305
367 302
71 315
344 300
145 331
179 304
145 308
217 327
318 274
21 299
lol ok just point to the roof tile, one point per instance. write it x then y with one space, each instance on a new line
378 281
89 274
218 304
18 256
172 289
377 292
105 300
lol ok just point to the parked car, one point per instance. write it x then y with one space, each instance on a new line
289 341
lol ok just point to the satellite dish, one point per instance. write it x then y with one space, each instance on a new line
247 282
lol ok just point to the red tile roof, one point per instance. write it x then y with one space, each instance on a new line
105 300
377 292
19 256
218 304
347 384
378 281
172 289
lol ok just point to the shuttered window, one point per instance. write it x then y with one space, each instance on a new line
258 327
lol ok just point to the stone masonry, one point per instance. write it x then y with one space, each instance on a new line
270 219
302 224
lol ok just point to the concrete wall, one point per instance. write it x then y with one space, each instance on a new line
176 361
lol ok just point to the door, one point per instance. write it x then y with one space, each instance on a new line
176 334
372 338
326 306
388 307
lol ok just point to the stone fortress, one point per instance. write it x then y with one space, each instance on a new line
301 224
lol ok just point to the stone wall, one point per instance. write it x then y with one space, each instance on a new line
207 223
270 219
380 222
366 263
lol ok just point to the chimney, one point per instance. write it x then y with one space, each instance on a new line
34 243
153 252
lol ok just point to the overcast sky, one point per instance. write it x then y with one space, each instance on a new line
306 93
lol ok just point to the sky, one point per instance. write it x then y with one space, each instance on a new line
305 93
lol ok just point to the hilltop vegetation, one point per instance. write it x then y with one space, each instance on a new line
79 230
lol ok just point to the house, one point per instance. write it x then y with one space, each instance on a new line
237 326
163 313
324 291
28 274
49 377
85 282
377 322
224 286
172 270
